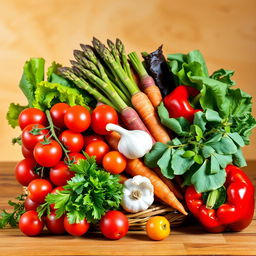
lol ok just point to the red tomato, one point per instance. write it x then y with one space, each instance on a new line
30 204
32 134
77 119
98 149
75 157
101 116
114 225
90 138
73 141
76 229
60 174
26 152
55 226
47 155
24 171
38 189
30 224
114 162
57 114
31 116
54 192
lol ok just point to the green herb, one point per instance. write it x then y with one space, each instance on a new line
215 91
13 218
201 150
89 194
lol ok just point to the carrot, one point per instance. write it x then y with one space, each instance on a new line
169 183
147 83
122 179
137 167
149 116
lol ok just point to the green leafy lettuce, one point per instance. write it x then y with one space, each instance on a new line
43 94
215 91
89 194
201 150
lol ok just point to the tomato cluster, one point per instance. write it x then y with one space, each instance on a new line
50 142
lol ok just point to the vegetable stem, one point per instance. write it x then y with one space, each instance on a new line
137 64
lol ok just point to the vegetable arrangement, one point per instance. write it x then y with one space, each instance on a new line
111 135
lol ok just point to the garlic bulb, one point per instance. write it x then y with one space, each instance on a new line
133 144
138 194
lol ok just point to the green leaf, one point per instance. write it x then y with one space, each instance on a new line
204 181
13 114
198 131
212 116
151 158
223 160
238 159
225 146
198 159
200 120
224 76
179 163
33 73
164 164
178 125
207 151
237 139
189 154
215 167
214 139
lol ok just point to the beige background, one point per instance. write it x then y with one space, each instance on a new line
225 32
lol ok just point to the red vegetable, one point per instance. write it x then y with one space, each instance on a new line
114 225
30 224
76 229
55 226
73 141
30 204
235 214
90 138
98 149
60 174
57 114
177 102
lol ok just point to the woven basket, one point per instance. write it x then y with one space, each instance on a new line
137 221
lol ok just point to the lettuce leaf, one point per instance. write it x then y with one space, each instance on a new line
13 114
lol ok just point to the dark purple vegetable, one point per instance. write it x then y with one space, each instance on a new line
157 68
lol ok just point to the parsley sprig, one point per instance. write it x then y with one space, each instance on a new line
89 194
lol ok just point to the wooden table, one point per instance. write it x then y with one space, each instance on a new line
190 240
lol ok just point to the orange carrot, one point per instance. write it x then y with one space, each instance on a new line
148 114
137 167
169 183
153 94
122 178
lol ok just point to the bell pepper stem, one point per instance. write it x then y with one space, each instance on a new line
212 198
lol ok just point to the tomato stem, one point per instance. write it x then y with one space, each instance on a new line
53 134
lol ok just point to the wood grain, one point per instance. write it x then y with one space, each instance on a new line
189 240
223 30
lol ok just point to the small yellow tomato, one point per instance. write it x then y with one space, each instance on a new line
158 228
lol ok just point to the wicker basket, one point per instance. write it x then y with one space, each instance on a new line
137 221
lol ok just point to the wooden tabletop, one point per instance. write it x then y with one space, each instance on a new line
189 240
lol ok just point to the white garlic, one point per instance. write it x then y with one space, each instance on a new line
134 143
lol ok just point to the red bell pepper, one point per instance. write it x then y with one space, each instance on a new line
235 214
177 102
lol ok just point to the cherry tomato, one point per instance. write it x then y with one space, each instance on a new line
101 116
77 119
57 114
24 171
73 141
75 157
55 226
114 225
90 138
30 204
114 162
47 155
31 116
158 228
98 149
26 152
32 134
54 191
60 174
30 224
38 189
76 229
